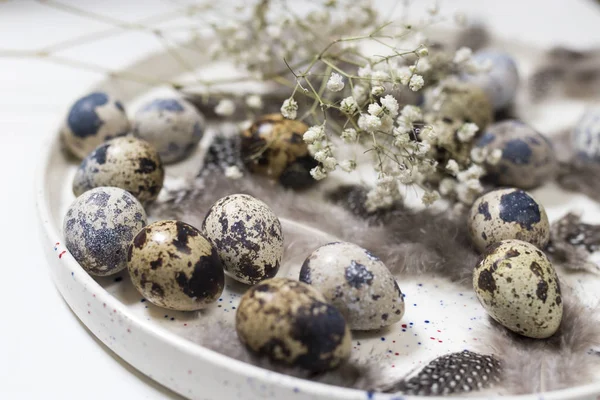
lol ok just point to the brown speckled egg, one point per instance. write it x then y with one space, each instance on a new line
172 265
528 158
247 236
273 146
91 120
459 101
508 214
126 162
99 226
290 322
357 283
518 287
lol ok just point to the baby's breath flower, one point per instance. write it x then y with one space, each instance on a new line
411 113
320 156
254 101
379 77
430 197
428 133
348 105
387 123
348 165
369 123
422 51
313 133
233 172
375 109
377 90
349 135
335 82
416 82
330 163
318 173
447 186
404 74
494 157
462 55
467 132
424 65
422 148
289 109
452 167
478 154
390 105
225 108
401 140
365 72
359 93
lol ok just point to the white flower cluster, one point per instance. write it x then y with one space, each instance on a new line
465 185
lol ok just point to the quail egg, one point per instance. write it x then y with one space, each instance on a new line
173 126
248 237
357 283
290 322
528 159
126 162
460 102
518 287
173 266
586 136
508 214
92 120
500 82
273 146
99 226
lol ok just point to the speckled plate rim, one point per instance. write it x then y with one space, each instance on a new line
76 286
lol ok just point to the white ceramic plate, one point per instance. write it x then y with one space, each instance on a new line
440 318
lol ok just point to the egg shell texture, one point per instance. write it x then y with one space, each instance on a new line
586 135
248 237
508 214
91 120
357 283
99 226
528 158
290 322
126 162
273 146
173 126
172 265
500 82
518 287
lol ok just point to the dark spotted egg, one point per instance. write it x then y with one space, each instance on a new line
126 162
290 322
586 136
173 126
99 226
528 158
508 214
92 120
173 266
273 146
518 287
247 236
500 82
357 283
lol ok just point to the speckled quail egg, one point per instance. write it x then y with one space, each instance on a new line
273 146
99 226
528 158
247 235
172 265
173 126
290 322
357 283
518 287
126 162
500 82
586 136
454 101
92 120
508 214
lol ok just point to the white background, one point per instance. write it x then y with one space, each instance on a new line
45 352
